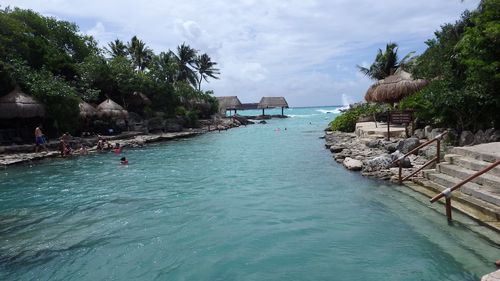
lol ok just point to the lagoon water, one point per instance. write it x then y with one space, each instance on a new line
251 203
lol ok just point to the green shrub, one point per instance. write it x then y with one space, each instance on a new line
346 122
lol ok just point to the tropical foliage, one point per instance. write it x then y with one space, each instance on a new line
462 63
52 60
346 122
386 62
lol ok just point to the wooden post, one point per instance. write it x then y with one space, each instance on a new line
263 112
282 111
388 124
438 151
235 111
448 207
400 171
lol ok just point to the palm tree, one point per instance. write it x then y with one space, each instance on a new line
205 67
165 67
186 58
386 63
140 54
117 48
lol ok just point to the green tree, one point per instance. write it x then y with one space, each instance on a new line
386 62
117 49
206 68
140 54
186 59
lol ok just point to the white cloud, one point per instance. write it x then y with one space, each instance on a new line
305 50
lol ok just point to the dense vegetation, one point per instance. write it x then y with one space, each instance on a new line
51 60
346 122
462 64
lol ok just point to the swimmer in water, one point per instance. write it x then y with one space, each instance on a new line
124 161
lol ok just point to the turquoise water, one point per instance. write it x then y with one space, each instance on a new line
251 203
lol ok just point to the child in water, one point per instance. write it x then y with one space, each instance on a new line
124 161
117 149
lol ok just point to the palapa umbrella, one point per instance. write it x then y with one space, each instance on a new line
109 108
17 104
86 110
394 88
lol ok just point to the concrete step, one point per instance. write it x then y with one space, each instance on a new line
470 163
469 205
489 152
484 193
486 179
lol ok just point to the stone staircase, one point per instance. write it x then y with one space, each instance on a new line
479 198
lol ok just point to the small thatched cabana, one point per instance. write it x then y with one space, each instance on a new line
111 109
228 103
394 88
86 110
17 104
272 102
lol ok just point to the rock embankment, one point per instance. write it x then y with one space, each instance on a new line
375 157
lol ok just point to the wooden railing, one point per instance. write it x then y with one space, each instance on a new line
447 192
436 159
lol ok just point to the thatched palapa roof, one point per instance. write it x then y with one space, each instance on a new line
17 104
109 108
86 110
229 102
394 88
270 102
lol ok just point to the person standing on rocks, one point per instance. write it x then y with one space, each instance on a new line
39 139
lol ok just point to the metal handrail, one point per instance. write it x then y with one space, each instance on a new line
447 192
435 159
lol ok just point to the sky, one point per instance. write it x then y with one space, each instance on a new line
304 50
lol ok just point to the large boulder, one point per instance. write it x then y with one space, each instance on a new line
435 132
383 161
466 138
406 163
419 133
353 164
336 148
495 136
427 131
407 145
480 137
373 143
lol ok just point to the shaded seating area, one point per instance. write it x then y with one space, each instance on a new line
272 102
113 117
19 115
229 103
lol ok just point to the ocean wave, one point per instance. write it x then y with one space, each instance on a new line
335 110
301 115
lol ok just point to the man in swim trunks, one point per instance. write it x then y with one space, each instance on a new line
39 139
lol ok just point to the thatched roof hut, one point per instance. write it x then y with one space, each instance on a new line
228 103
394 88
17 104
109 108
86 110
271 102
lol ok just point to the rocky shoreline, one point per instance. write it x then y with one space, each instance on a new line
21 154
375 157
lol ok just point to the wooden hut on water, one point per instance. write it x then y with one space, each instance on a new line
228 103
272 102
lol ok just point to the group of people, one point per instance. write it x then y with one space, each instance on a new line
66 149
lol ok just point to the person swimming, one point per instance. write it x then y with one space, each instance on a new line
117 149
123 161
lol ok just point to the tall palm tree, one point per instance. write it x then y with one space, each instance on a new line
186 59
140 54
386 62
205 67
165 67
117 49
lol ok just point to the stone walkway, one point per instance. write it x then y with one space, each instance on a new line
378 130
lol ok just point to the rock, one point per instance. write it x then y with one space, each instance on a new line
406 163
428 151
373 143
419 133
488 133
242 120
391 147
466 138
495 137
381 162
321 137
435 132
359 157
407 145
262 122
336 148
427 131
480 137
352 164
